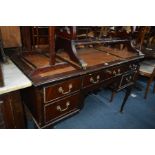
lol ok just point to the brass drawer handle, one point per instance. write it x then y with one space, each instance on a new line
114 73
63 92
119 71
97 79
60 109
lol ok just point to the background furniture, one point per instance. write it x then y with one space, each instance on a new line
35 38
11 36
11 111
144 41
147 69
11 107
39 36
2 58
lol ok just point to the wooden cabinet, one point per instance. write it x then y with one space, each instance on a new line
11 111
11 36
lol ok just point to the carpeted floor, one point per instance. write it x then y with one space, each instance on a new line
99 113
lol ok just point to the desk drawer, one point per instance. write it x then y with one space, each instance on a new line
61 89
92 79
118 70
127 79
129 67
60 108
112 72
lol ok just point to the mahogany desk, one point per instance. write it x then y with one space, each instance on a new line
58 93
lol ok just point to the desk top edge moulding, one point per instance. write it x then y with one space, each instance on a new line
66 63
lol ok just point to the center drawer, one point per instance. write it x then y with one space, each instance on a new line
92 79
61 89
62 107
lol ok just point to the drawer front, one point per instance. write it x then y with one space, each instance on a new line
129 67
118 70
127 79
59 108
112 72
61 89
92 79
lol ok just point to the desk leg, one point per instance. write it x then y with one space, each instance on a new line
128 92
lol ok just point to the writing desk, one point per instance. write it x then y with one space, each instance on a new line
58 93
